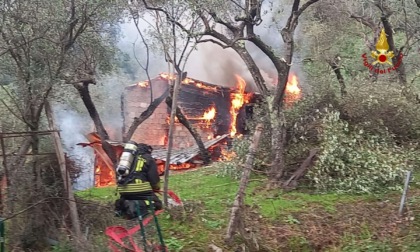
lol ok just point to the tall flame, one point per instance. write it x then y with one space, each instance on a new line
238 99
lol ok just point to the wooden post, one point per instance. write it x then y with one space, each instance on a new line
5 175
66 178
176 87
235 216
122 116
404 195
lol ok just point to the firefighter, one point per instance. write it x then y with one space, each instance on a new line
137 181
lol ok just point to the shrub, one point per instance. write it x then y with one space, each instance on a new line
233 165
351 160
375 108
234 158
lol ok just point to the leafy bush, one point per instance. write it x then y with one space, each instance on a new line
234 158
350 160
375 108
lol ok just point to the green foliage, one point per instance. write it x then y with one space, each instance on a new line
298 243
367 245
62 247
376 108
207 199
350 160
103 194
174 244
231 167
281 206
236 157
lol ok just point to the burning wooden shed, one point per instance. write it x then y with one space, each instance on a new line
217 113
212 110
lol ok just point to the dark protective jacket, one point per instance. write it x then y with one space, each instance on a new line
143 177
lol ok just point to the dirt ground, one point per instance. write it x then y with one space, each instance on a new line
320 229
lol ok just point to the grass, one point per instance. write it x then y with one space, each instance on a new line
208 198
277 205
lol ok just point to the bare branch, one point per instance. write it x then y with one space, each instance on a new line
21 118
214 42
146 67
168 16
367 21
14 100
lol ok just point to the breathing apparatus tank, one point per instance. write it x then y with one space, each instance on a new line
126 159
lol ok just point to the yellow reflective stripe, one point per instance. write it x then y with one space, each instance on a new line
134 187
140 164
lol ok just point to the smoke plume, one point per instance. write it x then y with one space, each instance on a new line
74 126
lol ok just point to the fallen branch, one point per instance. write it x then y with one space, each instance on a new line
302 169
235 216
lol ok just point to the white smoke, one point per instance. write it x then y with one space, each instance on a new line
73 128
211 63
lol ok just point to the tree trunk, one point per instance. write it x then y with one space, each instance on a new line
236 212
83 90
144 115
64 173
253 69
5 176
278 137
402 77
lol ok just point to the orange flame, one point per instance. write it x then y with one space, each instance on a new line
239 98
161 166
210 114
227 155
167 76
293 91
201 85
143 84
168 120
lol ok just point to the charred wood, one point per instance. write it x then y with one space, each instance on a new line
184 121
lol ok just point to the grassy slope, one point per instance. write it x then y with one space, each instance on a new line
295 221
